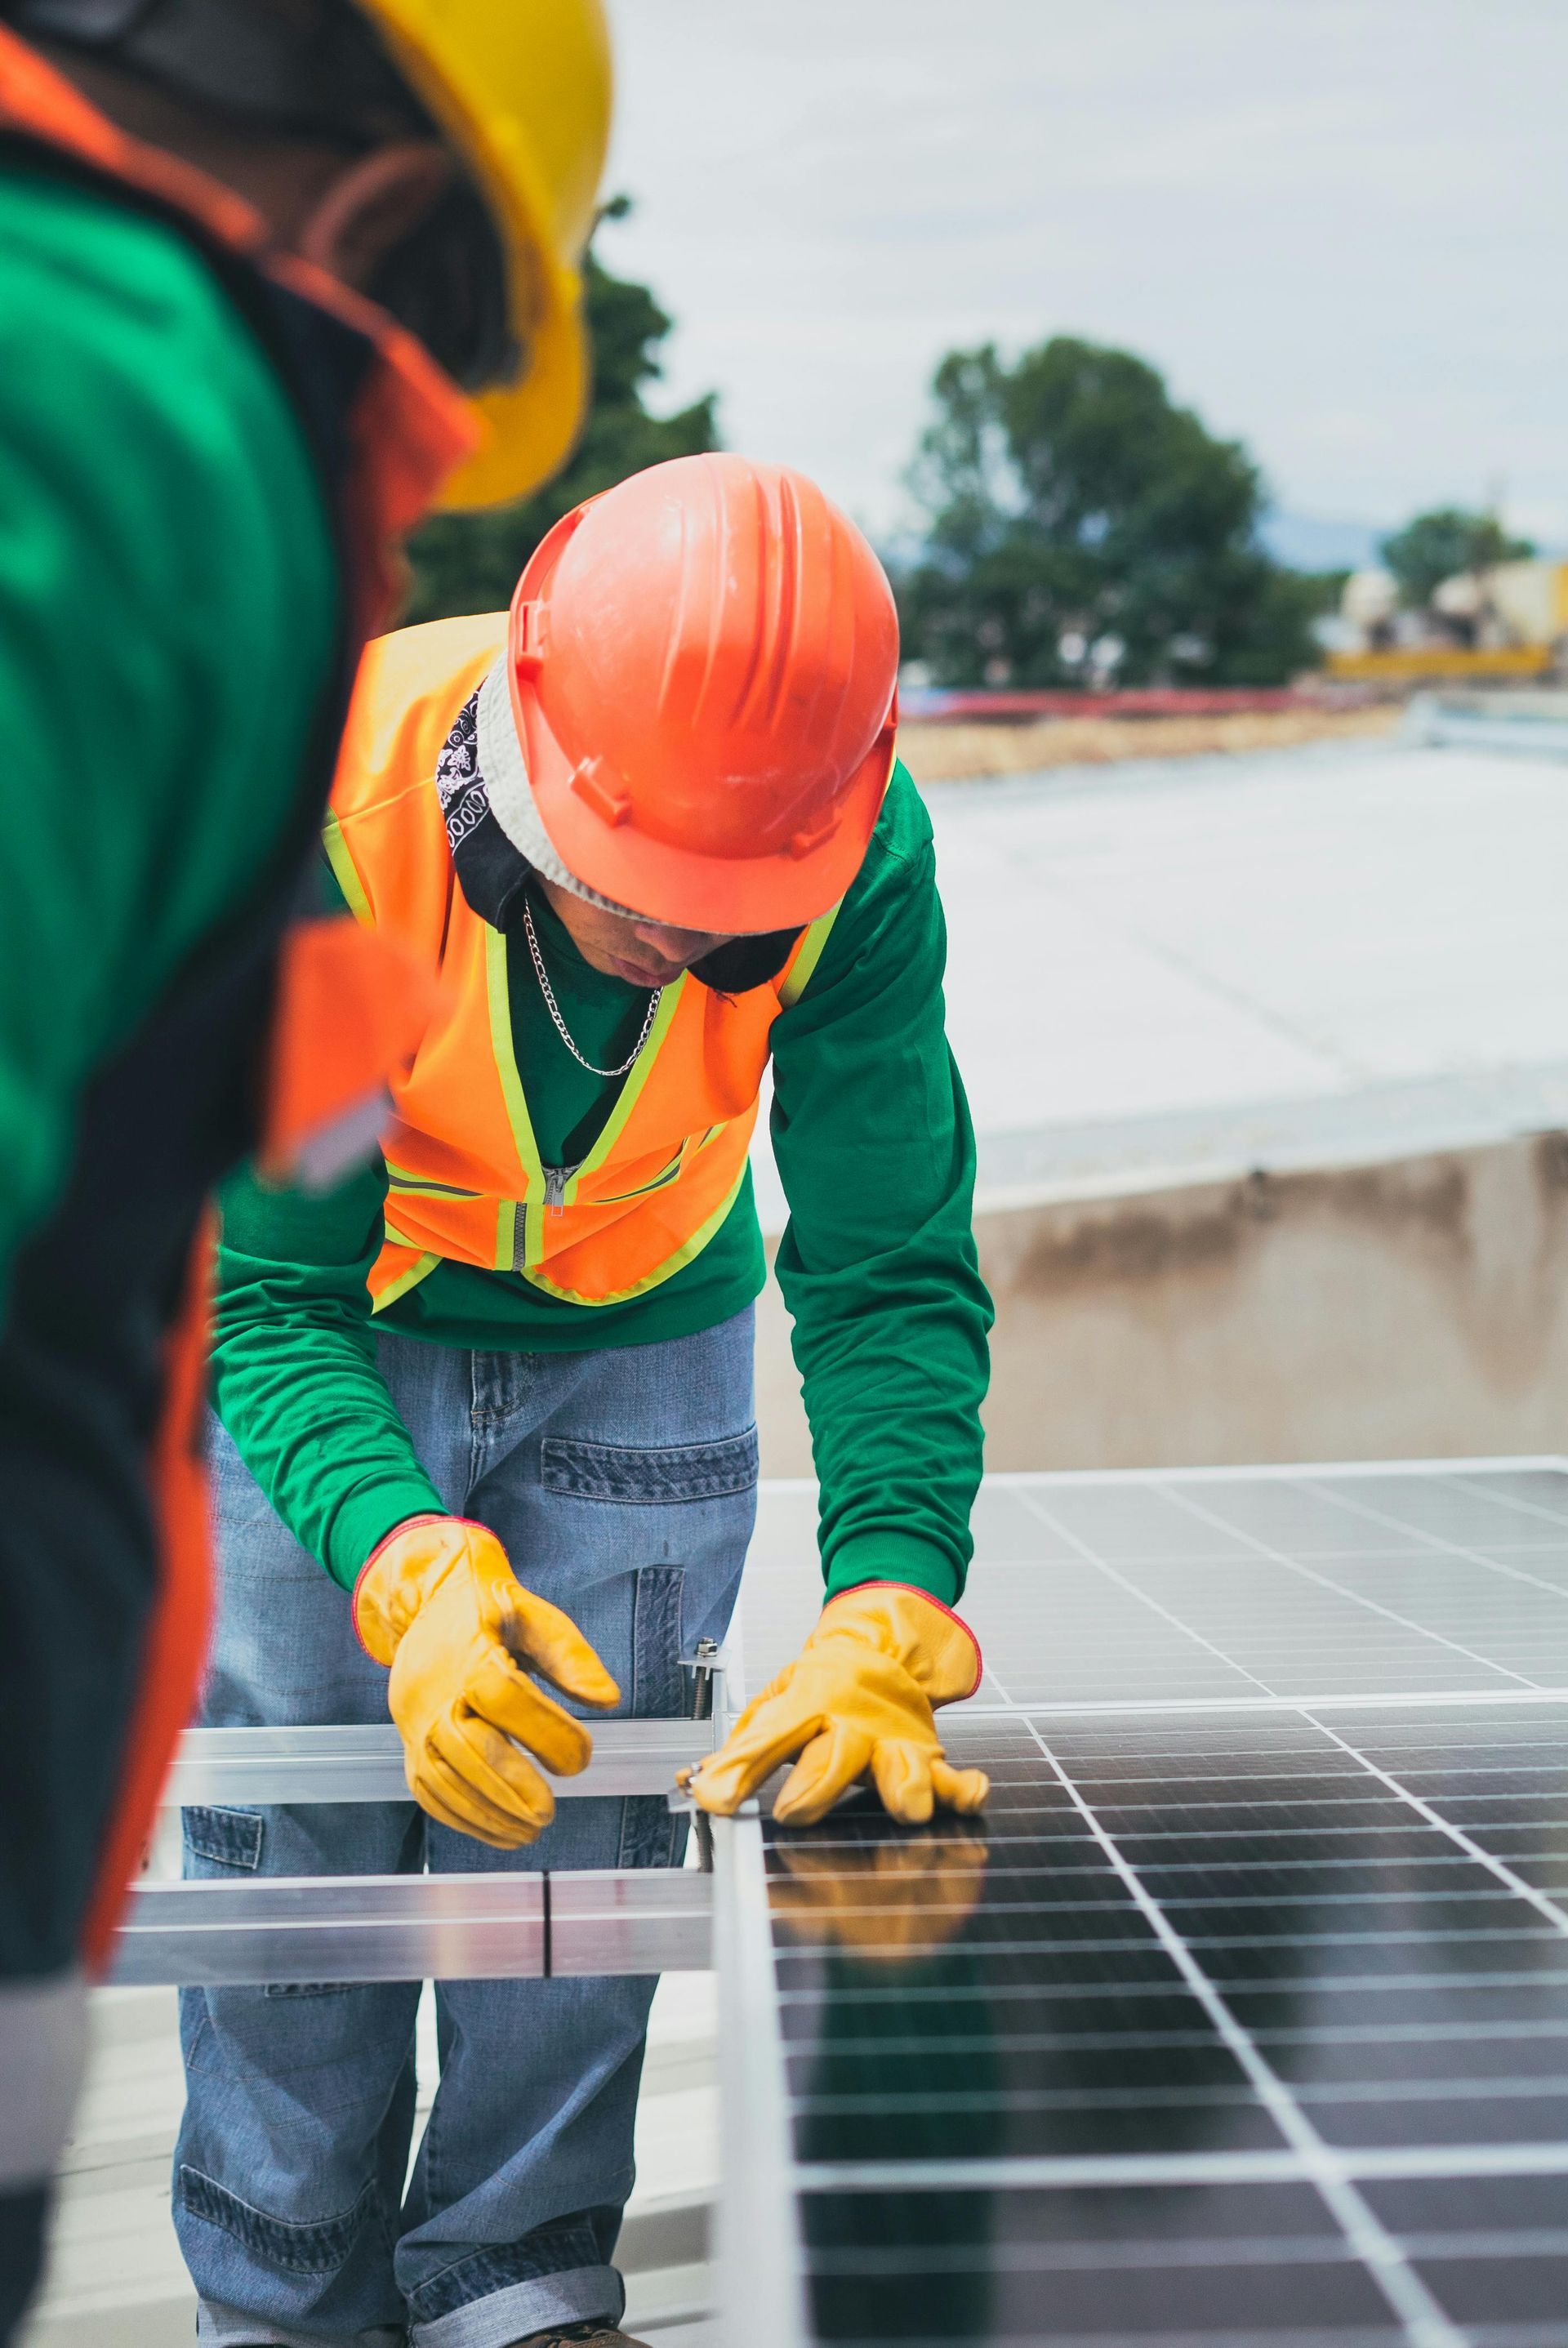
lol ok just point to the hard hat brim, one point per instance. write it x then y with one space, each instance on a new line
732 895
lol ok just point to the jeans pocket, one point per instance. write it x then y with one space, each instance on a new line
649 1475
224 1838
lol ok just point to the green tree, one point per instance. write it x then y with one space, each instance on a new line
1434 546
469 562
1079 523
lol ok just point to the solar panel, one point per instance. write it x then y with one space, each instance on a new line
1242 2014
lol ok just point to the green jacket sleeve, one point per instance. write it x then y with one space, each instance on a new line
166 596
877 1263
293 1367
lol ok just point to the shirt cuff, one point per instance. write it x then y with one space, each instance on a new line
894 1557
369 1516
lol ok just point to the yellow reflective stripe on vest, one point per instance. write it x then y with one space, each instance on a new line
798 976
637 1077
345 871
503 1044
506 1235
417 1271
521 1124
660 1182
655 1279
414 1186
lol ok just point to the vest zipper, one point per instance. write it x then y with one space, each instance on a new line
556 1177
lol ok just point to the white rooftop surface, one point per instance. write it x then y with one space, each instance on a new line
1205 964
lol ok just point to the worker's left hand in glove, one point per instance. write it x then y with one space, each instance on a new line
858 1697
439 1602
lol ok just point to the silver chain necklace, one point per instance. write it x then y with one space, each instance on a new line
563 1030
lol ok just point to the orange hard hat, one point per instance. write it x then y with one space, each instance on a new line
703 665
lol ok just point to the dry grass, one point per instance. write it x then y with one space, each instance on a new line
960 753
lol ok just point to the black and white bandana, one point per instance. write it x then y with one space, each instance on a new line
491 873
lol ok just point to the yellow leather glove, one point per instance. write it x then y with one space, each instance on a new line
860 1695
438 1601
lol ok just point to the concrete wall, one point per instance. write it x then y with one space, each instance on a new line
1393 1310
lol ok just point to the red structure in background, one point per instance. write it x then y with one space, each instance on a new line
1156 701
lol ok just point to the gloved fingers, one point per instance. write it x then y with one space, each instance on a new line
497 1691
827 1768
442 1795
964 1790
539 1633
769 1732
902 1776
492 1773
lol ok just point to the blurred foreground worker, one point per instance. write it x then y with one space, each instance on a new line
211 441
648 836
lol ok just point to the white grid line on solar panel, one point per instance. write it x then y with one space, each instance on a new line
1505 1721
1359 2034
1517 2337
1551 1908
1358 2337
1326 1700
1526 1466
1402 1512
1513 1499
1275 1775
1024 2171
1479 2335
1148 2098
1369 1988
1157 2251
1313 1573
1463 1550
1405 2292
1377 1663
1552 1465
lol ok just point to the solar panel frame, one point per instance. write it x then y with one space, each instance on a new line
1439 1778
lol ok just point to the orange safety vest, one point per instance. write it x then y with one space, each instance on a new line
465 1182
397 429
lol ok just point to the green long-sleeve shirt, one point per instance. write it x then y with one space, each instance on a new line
168 595
878 1265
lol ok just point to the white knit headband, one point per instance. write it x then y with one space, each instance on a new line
512 794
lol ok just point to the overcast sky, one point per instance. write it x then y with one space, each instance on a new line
1337 225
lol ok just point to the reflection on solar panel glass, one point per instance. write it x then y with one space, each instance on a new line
1242 2015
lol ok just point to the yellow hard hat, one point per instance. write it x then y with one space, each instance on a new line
523 89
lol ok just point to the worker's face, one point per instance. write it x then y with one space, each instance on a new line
345 212
625 946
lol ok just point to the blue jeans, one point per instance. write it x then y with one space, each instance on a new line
623 1485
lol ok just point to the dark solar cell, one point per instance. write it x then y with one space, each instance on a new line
1238 2017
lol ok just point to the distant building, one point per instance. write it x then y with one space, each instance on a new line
1506 623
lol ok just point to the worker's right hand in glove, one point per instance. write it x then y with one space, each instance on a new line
438 1601
857 1700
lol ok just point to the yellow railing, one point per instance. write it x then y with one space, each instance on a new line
1412 664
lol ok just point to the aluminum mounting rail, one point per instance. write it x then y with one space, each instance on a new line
362 1927
364 1762
242 1767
